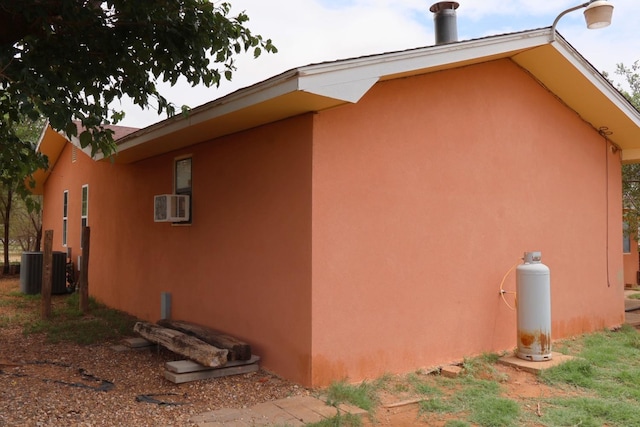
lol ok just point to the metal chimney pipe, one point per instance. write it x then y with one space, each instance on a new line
444 19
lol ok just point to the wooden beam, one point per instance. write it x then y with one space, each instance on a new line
238 350
186 366
183 344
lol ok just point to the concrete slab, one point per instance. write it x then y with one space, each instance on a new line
632 318
221 416
535 367
213 373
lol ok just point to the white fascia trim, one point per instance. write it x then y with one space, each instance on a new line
323 78
41 138
344 80
596 79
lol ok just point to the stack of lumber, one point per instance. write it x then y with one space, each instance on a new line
212 353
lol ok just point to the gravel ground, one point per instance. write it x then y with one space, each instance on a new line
64 384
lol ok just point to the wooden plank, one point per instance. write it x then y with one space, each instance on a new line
137 342
238 350
185 366
183 344
211 373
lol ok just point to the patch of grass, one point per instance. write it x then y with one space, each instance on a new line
494 411
634 296
603 381
473 389
457 423
576 372
422 386
346 420
363 395
591 412
437 405
483 367
609 369
17 319
67 323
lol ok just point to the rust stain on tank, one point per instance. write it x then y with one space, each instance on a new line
527 339
545 342
542 338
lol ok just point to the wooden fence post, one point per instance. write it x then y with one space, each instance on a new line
83 283
47 274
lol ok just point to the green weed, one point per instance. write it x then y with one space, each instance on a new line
68 323
436 404
363 395
494 411
345 420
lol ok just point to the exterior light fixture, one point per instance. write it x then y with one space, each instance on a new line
597 15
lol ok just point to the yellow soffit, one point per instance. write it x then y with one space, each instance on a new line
51 145
583 89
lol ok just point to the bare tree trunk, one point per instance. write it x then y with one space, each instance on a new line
5 240
37 225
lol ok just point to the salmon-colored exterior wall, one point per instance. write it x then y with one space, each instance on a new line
371 237
243 266
427 191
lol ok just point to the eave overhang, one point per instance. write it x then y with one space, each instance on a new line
51 144
551 61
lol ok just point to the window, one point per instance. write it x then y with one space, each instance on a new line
84 209
84 214
182 181
626 239
65 218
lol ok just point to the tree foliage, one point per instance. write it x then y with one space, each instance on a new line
18 160
71 59
631 172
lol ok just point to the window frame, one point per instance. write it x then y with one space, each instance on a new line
65 217
84 209
626 239
179 188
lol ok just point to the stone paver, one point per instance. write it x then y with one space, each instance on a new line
293 412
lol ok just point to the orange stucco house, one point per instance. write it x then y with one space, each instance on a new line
356 217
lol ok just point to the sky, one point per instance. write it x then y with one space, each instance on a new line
312 31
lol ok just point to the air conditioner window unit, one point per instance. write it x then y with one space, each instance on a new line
171 208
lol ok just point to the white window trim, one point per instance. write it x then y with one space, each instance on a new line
84 216
65 217
175 190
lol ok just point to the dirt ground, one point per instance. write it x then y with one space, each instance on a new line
397 409
44 384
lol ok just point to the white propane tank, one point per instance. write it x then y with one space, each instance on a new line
533 290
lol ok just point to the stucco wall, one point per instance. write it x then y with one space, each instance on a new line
427 191
372 237
244 264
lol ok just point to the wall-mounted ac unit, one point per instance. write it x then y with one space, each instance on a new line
171 208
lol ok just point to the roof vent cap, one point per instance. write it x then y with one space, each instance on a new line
445 21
